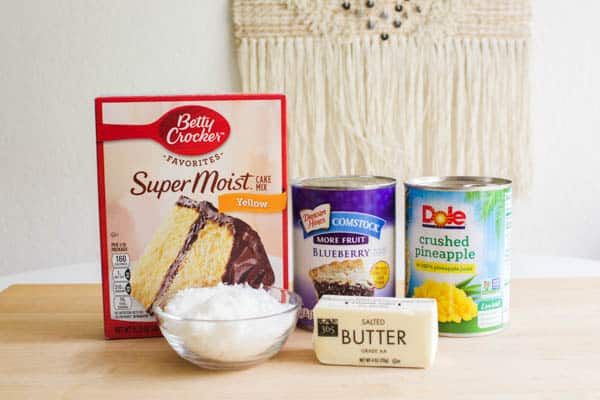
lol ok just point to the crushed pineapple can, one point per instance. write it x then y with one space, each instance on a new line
457 247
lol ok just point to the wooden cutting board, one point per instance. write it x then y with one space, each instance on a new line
52 346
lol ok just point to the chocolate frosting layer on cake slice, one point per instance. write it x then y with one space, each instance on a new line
248 261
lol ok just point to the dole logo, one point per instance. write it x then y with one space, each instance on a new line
193 130
448 219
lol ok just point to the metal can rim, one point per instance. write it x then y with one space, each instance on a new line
320 183
459 183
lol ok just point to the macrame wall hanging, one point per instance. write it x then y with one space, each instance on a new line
394 87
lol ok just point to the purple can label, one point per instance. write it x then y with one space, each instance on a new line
343 243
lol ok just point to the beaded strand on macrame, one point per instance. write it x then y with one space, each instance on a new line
401 11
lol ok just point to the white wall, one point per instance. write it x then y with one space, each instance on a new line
56 56
562 213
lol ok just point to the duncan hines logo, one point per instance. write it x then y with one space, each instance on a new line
317 218
443 219
193 130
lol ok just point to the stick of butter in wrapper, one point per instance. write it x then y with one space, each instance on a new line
375 331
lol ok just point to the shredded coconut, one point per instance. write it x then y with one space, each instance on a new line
227 339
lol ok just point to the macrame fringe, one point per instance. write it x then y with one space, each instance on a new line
399 107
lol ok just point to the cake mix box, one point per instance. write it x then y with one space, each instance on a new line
191 193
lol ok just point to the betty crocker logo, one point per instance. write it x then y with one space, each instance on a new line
193 130
187 130
448 219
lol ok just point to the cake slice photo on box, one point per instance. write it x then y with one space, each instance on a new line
197 246
347 277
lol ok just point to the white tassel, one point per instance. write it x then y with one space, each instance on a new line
400 107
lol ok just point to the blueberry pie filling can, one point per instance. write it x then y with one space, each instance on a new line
344 237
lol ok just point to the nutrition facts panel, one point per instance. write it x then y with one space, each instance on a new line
123 307
121 287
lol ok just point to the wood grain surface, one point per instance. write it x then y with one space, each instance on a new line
52 346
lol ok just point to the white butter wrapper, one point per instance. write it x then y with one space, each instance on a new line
375 331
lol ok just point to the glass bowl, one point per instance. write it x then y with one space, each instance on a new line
230 344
